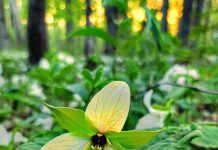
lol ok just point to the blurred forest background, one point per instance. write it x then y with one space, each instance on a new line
64 51
49 25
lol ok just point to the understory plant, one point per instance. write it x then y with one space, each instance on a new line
99 127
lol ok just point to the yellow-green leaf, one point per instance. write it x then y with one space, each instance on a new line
132 139
73 120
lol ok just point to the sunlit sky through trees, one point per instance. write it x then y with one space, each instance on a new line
55 18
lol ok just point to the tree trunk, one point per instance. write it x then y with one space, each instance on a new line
198 12
3 28
89 40
185 22
207 22
69 21
15 20
36 31
198 8
111 15
164 19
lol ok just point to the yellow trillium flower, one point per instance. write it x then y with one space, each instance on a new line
99 127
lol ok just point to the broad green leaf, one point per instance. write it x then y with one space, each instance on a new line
2 147
132 139
95 32
73 120
209 138
88 75
30 145
98 73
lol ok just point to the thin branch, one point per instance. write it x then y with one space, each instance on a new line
181 86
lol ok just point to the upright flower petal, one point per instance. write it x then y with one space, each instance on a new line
150 121
147 99
66 142
109 108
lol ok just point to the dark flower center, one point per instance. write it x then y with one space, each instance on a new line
98 140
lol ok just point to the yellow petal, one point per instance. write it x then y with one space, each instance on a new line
109 108
66 142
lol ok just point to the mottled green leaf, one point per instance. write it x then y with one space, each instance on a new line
209 138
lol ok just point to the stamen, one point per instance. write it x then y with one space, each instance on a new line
99 140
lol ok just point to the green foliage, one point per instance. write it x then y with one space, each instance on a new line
64 82
95 32
132 139
73 120
4 147
208 139
142 60
152 26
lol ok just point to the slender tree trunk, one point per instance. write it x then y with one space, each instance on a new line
185 21
69 21
111 15
37 34
164 19
198 12
197 21
15 21
89 40
3 28
207 21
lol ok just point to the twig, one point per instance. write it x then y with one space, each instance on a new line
181 86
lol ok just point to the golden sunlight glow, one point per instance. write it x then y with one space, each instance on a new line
93 18
62 6
49 18
24 21
98 14
50 27
155 4
53 10
19 3
61 23
174 15
82 21
138 14
136 26
131 4
134 12
159 15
